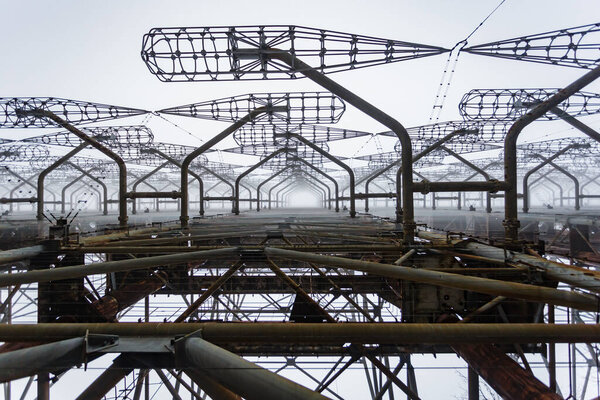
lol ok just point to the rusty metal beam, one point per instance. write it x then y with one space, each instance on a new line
47 275
209 292
480 285
309 333
503 374
185 165
212 388
43 358
573 275
247 379
106 381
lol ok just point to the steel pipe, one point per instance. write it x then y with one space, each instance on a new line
333 159
185 165
192 173
318 170
236 194
478 186
260 185
106 381
76 271
573 275
545 162
42 176
153 195
103 149
9 256
475 168
408 217
247 379
511 220
309 333
212 388
98 181
480 285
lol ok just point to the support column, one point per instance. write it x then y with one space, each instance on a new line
473 379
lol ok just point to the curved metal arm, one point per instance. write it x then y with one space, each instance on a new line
42 176
195 175
429 149
540 184
310 186
103 149
324 185
281 190
550 181
335 184
577 193
98 181
286 192
142 179
64 192
511 221
82 187
537 168
236 201
185 165
480 171
23 183
591 180
408 217
249 194
264 182
333 159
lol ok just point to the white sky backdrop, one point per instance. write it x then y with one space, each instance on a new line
89 50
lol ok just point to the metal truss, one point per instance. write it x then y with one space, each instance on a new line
295 108
280 304
571 47
113 136
19 152
510 104
294 286
264 134
230 53
296 150
72 111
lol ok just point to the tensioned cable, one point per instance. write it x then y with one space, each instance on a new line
440 99
179 127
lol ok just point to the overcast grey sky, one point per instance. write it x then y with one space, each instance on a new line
90 51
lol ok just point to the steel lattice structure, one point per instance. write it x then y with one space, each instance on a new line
226 53
300 107
73 111
510 104
224 303
259 134
18 152
112 136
